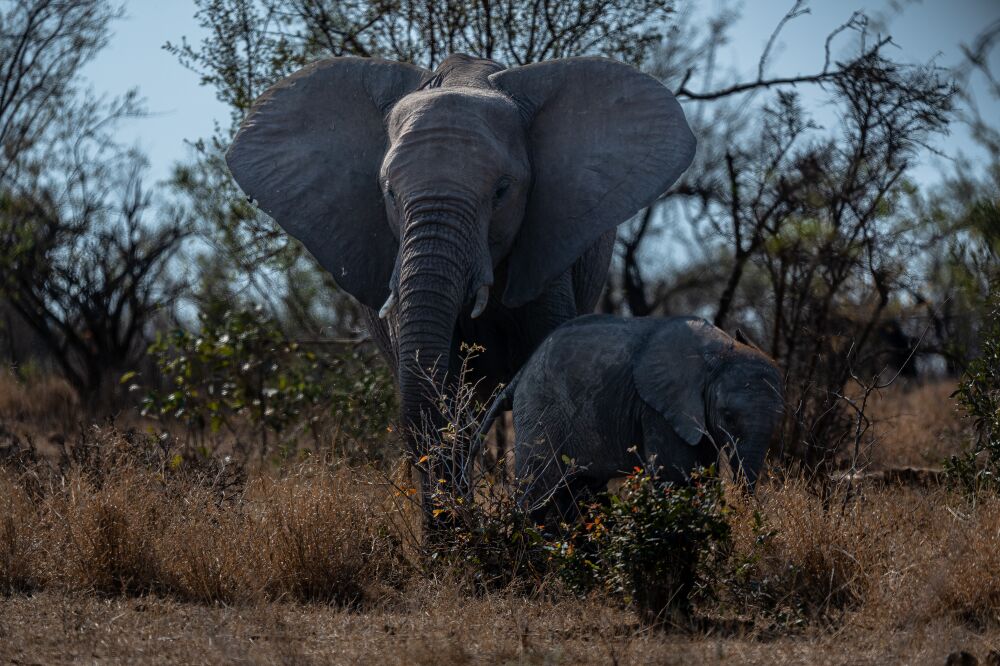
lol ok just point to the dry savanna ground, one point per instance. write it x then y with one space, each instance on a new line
118 552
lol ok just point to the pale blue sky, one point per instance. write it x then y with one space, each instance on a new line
183 109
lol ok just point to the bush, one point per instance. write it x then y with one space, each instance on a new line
473 523
650 543
646 544
979 396
490 541
242 372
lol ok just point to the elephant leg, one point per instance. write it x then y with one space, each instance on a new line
590 272
544 483
553 494
535 320
567 504
675 457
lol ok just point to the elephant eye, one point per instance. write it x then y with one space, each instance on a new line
501 190
391 193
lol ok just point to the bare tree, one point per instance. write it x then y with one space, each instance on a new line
86 270
80 262
43 46
724 118
824 224
803 235
252 43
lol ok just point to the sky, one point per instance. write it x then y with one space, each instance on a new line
183 110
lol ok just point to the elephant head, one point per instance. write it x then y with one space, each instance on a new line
713 391
418 191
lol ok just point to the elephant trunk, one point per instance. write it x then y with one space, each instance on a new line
435 264
747 457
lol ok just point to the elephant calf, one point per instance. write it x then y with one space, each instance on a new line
676 389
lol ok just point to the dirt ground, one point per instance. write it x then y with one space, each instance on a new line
59 628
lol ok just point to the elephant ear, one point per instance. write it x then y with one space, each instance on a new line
605 141
309 153
670 374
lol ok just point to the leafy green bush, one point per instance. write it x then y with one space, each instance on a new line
979 397
239 372
649 543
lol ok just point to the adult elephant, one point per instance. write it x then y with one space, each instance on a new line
470 204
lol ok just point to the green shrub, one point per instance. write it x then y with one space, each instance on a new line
647 543
650 543
979 397
241 373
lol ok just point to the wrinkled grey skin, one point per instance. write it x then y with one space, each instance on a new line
678 389
422 192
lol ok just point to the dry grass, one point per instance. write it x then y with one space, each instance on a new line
892 559
443 628
314 533
19 545
916 425
43 401
130 554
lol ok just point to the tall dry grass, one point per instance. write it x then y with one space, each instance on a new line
885 556
45 400
312 533
916 425
19 545
888 558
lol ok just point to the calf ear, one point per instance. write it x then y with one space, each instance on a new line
670 374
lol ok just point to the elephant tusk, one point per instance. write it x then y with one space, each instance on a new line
390 303
482 296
